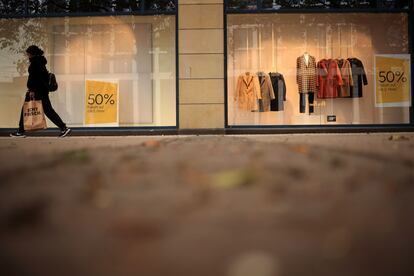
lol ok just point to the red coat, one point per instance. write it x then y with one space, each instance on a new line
329 78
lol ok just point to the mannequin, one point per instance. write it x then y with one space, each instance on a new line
306 80
306 55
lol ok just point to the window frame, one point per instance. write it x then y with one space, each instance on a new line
128 130
237 129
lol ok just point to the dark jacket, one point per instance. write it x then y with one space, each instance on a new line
279 89
359 77
38 76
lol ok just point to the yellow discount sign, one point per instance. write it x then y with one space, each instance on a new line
392 80
101 103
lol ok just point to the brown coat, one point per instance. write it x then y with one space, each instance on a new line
306 74
266 90
248 92
344 91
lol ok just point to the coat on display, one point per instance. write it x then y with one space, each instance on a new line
306 74
266 90
359 77
248 92
344 91
279 88
329 78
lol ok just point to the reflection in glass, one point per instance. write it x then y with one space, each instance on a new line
43 7
314 4
8 7
159 5
127 5
242 4
69 6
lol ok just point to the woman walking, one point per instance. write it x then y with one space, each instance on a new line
37 87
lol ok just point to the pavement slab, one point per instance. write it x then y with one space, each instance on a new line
240 205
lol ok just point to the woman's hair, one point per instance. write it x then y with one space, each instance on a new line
34 50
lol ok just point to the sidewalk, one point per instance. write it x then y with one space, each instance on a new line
248 205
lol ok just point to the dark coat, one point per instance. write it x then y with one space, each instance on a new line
279 89
359 77
38 76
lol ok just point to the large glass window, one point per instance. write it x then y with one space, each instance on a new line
318 69
111 70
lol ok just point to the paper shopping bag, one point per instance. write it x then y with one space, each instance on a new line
33 115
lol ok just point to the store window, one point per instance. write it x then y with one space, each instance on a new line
113 71
318 68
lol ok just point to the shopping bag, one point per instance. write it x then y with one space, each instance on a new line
33 115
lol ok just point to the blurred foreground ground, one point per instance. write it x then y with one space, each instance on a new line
274 205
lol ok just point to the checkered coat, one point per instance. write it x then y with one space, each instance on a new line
306 74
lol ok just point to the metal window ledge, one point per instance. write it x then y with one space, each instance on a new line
239 130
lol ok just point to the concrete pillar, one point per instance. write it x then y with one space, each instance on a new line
201 64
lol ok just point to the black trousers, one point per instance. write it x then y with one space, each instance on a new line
302 102
48 110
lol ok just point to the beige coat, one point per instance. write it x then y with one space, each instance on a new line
344 91
266 90
247 92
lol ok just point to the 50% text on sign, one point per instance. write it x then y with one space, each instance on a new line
101 102
392 76
100 99
392 80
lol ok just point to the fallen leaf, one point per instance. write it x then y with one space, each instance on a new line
152 144
397 137
76 156
232 179
300 149
195 177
